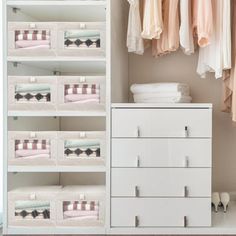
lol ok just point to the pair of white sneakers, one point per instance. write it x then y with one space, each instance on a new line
220 199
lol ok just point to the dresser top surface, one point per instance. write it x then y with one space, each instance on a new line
162 105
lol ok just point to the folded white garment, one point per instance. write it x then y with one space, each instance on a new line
159 95
180 99
160 87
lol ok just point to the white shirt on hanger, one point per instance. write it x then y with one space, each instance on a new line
152 19
217 56
186 29
134 39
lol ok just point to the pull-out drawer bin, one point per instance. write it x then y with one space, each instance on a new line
178 153
160 212
81 39
81 93
32 148
32 93
158 123
81 206
81 148
32 39
32 206
161 182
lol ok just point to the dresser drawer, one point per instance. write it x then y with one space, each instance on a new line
160 212
161 152
161 182
161 123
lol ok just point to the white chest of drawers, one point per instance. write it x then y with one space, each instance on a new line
161 165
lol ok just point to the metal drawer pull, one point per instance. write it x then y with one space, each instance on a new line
138 161
186 192
185 222
136 221
138 132
137 192
186 162
186 131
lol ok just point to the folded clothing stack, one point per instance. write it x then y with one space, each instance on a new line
82 93
32 149
32 93
82 149
161 93
32 39
82 39
32 210
81 210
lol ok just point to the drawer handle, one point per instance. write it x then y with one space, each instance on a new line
185 222
138 161
136 221
186 162
186 131
186 192
138 132
136 191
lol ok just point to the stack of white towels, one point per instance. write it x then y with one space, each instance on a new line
161 93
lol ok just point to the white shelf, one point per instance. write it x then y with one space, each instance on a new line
162 105
55 59
56 113
56 3
46 169
54 230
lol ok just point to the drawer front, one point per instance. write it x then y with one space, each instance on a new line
163 182
161 212
161 153
161 123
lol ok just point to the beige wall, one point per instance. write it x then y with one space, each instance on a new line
177 67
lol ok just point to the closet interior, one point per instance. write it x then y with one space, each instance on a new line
61 92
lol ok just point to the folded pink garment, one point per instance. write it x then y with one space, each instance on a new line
25 153
39 156
81 218
80 213
80 97
32 43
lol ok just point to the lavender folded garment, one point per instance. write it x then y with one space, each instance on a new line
31 44
81 98
26 153
73 214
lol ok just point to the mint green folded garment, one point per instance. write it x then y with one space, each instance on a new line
82 34
23 88
81 143
31 204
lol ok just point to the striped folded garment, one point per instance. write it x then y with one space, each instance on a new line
80 205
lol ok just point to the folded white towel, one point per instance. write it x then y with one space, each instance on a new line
159 95
180 99
160 87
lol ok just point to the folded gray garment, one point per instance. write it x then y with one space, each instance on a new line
81 143
31 204
82 34
24 88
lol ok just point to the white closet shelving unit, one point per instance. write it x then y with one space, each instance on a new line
91 120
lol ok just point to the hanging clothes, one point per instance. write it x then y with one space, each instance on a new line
216 56
135 42
152 19
186 27
229 78
203 20
169 40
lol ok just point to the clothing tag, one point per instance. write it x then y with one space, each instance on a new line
81 197
82 25
82 134
32 196
32 79
82 79
32 25
32 134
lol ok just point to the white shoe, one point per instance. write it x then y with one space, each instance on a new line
215 199
225 199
